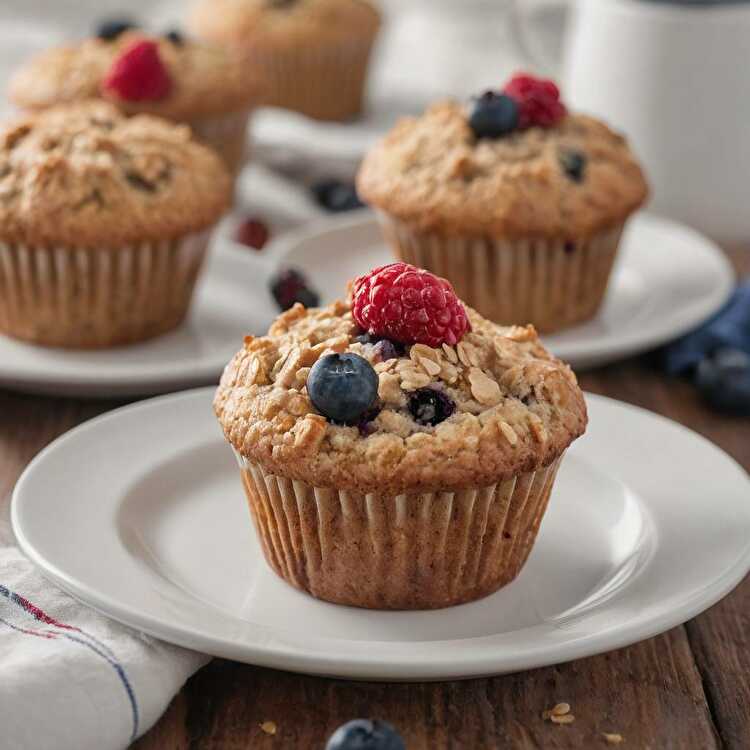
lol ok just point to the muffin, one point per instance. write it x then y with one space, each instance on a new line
313 54
519 203
172 77
397 450
104 224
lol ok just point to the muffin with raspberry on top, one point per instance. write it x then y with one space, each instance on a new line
171 76
397 450
518 202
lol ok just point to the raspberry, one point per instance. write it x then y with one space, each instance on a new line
538 100
409 305
138 74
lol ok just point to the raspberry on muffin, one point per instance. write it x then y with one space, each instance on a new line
403 476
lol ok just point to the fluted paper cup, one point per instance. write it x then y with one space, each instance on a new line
97 297
411 551
227 135
553 284
323 81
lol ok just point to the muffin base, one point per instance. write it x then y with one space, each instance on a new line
553 284
411 551
318 80
100 297
227 135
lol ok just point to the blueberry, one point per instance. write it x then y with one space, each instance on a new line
573 164
365 422
176 37
290 286
366 734
342 387
493 115
429 406
110 29
384 348
336 196
724 381
254 233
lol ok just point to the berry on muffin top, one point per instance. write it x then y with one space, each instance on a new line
166 75
85 175
515 163
335 404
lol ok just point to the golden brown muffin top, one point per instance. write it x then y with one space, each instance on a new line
435 174
516 407
85 176
282 22
206 80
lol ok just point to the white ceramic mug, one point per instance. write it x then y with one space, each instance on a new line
676 79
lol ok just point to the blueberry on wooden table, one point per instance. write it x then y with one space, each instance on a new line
724 381
366 734
343 387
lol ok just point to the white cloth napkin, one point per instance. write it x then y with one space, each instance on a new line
70 679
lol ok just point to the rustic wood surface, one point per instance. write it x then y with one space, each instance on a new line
688 688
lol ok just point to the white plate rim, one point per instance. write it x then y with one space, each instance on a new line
583 353
286 654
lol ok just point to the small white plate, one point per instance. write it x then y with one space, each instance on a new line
232 300
668 279
649 524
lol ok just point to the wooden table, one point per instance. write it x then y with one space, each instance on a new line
688 688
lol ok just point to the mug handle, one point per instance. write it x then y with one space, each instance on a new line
522 37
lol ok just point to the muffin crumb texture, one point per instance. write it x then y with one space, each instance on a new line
571 180
517 408
86 176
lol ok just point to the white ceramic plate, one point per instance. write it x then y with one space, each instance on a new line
668 279
649 524
232 300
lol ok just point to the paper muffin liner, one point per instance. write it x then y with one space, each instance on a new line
97 297
227 135
553 284
322 81
411 551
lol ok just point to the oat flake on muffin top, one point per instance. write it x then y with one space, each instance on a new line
85 175
435 174
515 407
206 80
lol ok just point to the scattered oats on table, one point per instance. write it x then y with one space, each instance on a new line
613 738
269 727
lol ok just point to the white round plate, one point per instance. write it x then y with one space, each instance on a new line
649 524
668 279
232 300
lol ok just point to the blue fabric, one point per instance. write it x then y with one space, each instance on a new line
730 328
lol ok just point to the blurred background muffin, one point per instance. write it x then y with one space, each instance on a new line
518 203
172 76
313 54
104 224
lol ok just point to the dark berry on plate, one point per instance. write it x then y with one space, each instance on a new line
342 387
111 28
493 115
336 196
289 287
139 74
573 164
724 381
538 100
429 406
407 304
253 233
366 734
176 37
